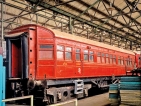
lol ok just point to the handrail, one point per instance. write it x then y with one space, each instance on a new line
66 102
19 98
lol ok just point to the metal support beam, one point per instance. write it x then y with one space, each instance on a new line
70 25
118 9
53 8
36 18
111 17
15 18
131 45
110 39
87 9
87 34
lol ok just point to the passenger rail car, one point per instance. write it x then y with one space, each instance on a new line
55 66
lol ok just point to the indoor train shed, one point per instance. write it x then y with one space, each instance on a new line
60 51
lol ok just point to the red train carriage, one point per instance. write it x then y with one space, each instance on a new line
56 66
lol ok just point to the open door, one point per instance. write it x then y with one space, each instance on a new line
17 56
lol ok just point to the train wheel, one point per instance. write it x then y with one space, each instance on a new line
49 100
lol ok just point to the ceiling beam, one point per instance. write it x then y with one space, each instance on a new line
110 18
60 11
122 12
89 7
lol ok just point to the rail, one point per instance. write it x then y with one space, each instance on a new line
19 98
66 102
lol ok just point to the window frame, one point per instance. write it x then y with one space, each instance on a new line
67 51
59 50
45 49
111 59
86 54
107 58
99 56
114 59
103 58
79 53
91 55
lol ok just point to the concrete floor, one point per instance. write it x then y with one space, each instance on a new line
97 100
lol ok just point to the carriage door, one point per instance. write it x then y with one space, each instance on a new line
78 62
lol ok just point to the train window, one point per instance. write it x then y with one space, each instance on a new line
45 51
111 58
103 57
59 47
60 55
119 60
126 60
91 56
85 51
68 49
98 57
60 52
68 55
45 54
46 46
114 59
122 61
107 58
85 55
68 52
77 50
130 62
77 55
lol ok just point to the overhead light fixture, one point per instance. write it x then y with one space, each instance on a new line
110 7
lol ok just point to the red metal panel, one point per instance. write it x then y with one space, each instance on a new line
45 71
32 53
16 61
45 66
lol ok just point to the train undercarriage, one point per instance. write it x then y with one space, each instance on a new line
54 91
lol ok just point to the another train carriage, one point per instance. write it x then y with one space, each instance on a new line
56 66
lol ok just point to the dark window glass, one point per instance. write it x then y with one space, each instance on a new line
68 49
77 50
107 55
91 52
85 57
68 55
46 46
103 57
114 59
91 56
107 58
77 57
